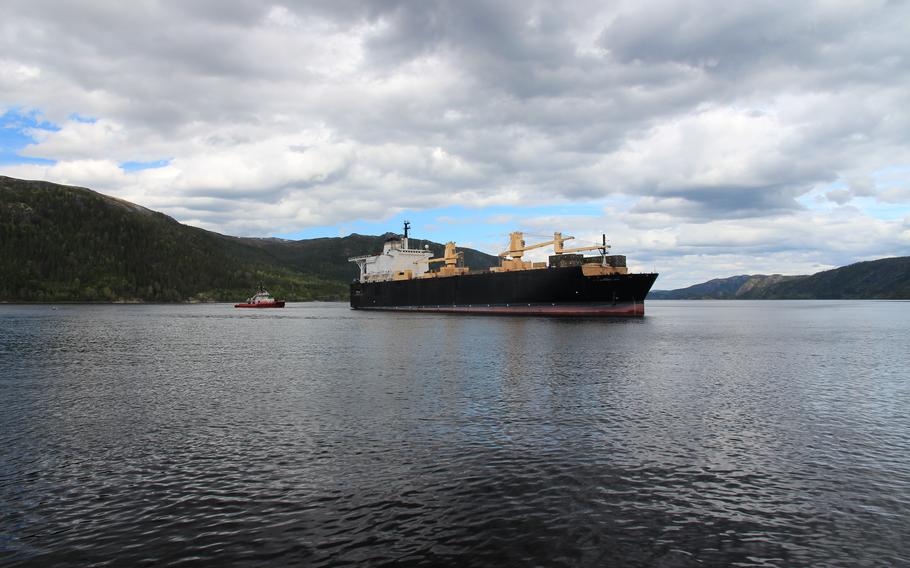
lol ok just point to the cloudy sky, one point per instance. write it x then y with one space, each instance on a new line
704 138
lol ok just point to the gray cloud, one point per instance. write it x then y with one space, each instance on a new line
685 112
707 203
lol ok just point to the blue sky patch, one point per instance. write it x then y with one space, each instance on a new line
461 224
84 119
15 134
137 166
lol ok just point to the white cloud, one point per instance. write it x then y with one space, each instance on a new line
694 120
895 195
799 242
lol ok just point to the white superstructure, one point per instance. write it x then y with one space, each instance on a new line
396 262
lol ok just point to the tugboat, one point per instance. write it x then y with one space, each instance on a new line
261 299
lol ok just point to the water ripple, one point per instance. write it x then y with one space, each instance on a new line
734 434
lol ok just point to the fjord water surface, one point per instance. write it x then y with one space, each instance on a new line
706 434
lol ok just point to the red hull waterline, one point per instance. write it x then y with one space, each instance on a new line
632 309
270 305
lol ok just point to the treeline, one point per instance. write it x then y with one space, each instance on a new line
69 244
60 243
883 279
327 256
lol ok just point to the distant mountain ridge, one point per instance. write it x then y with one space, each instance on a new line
884 279
62 243
729 288
328 256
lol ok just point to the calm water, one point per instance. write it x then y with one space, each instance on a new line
706 434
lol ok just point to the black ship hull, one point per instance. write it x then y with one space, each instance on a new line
549 291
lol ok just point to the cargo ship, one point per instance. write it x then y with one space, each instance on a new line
570 284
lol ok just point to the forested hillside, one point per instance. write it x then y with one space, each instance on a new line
884 279
328 256
732 288
63 243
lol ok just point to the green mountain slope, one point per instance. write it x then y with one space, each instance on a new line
328 256
63 243
719 288
887 278
730 288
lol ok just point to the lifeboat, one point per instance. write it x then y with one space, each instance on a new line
261 299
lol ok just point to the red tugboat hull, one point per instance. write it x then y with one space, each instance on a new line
278 304
261 299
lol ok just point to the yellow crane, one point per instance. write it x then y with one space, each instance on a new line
517 245
557 248
511 259
450 258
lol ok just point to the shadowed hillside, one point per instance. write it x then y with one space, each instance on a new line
730 288
886 279
64 243
328 256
